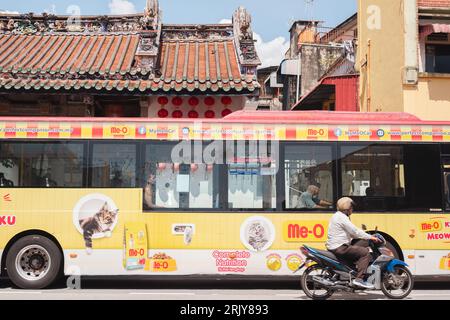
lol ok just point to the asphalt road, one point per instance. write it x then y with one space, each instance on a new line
197 289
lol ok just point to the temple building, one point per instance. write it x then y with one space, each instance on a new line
126 66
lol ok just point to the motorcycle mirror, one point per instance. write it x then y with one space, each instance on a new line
364 227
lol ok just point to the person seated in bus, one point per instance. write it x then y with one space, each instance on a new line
310 199
370 192
149 193
5 183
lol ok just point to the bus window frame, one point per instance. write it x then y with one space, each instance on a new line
281 179
445 158
223 186
91 161
85 161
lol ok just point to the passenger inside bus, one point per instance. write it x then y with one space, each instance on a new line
310 199
5 183
149 194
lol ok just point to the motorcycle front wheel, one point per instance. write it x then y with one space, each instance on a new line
399 284
312 289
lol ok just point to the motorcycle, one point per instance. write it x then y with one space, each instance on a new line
326 274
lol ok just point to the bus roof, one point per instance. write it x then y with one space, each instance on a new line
278 117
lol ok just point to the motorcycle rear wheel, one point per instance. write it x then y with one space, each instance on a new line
399 284
312 289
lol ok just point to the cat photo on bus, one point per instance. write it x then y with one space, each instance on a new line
101 223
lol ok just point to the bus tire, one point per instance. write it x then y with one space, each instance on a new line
33 262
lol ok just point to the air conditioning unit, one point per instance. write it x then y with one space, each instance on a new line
411 76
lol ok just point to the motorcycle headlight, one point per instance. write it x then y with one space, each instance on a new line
386 252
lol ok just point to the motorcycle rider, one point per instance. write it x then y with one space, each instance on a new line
341 232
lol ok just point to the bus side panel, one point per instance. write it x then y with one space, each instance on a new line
104 231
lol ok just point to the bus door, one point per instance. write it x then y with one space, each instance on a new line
446 172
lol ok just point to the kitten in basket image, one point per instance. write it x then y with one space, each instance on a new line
101 222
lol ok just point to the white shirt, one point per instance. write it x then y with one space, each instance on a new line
342 231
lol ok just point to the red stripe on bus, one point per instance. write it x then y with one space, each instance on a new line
76 131
32 134
97 132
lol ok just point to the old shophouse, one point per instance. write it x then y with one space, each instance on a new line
126 66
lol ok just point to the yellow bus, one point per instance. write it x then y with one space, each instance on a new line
236 196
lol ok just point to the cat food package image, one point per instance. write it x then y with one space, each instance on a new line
135 246
445 263
161 262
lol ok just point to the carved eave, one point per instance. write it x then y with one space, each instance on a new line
44 23
244 41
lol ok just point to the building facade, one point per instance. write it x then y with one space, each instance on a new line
404 57
126 66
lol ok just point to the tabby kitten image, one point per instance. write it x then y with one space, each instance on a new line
101 222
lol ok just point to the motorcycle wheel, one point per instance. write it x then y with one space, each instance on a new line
399 284
312 289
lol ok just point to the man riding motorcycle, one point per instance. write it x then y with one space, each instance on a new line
341 232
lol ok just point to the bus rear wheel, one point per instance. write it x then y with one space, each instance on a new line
33 262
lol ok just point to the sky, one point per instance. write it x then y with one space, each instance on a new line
271 19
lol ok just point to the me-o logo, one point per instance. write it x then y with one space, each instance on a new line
120 130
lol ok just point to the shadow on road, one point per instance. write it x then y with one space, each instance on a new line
202 283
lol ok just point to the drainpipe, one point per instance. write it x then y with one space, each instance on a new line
369 90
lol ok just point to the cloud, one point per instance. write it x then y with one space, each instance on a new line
226 21
121 7
8 12
271 53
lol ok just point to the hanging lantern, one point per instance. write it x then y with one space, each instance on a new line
193 102
176 167
177 114
210 101
210 168
162 166
194 167
210 114
163 113
193 114
163 101
226 101
177 101
226 112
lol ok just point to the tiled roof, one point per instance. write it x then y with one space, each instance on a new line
97 62
203 65
135 53
67 54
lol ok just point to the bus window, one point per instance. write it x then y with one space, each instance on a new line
373 171
113 165
308 176
175 180
252 169
47 165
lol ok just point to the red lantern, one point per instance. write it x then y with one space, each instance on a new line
210 114
177 101
176 167
209 101
177 114
162 166
163 101
193 114
193 102
226 101
226 112
210 168
163 113
194 167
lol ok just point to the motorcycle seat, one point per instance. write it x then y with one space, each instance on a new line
327 254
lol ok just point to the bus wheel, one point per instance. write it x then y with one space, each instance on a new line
33 262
